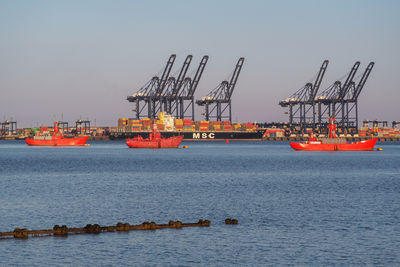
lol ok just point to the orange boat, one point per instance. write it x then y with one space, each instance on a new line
57 139
155 140
333 143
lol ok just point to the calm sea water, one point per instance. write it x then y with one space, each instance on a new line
294 208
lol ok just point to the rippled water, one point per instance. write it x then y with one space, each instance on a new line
300 208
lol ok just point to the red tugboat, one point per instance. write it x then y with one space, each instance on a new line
155 140
333 143
57 139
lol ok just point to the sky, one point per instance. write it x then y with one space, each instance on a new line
66 60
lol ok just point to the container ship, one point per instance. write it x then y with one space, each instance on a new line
168 126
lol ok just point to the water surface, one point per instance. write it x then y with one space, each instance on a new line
294 208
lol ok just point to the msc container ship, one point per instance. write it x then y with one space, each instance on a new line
197 135
168 126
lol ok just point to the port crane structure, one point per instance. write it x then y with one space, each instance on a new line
8 127
218 102
151 92
173 87
185 99
331 101
302 102
351 101
169 94
179 99
339 100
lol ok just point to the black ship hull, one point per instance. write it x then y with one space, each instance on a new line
197 135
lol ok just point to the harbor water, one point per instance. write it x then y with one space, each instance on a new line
293 208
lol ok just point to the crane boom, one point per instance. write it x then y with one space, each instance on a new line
181 76
234 78
197 77
363 80
318 81
165 74
350 77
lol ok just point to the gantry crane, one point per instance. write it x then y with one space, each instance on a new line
8 127
303 100
173 87
156 95
151 92
331 101
220 97
183 103
351 100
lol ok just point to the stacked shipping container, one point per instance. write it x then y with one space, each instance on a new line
147 123
204 126
227 126
122 122
178 125
135 125
188 126
216 126
167 123
274 132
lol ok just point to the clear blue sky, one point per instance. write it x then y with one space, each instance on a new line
83 58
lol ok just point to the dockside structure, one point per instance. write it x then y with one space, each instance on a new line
169 94
308 109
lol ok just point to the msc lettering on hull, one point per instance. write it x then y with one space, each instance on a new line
203 135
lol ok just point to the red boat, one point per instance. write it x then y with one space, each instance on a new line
155 140
333 143
57 139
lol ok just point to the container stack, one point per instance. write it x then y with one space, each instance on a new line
363 131
204 126
379 132
188 125
147 123
250 127
274 132
179 125
216 126
237 127
394 132
227 126
135 125
383 132
31 130
122 122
